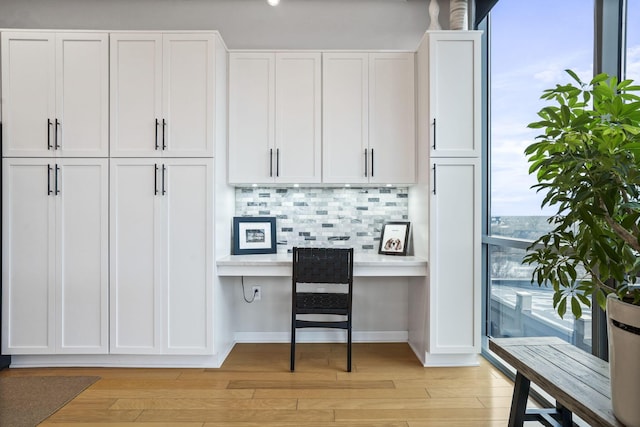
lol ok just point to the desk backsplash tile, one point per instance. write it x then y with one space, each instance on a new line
339 217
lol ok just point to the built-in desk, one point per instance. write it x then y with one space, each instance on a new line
382 312
364 265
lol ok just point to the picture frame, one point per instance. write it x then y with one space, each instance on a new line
394 238
254 235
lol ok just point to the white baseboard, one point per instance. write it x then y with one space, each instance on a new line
321 336
450 360
115 361
216 360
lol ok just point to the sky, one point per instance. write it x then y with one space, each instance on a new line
532 43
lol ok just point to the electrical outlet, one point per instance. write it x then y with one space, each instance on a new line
257 293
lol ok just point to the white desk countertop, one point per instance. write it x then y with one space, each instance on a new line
364 265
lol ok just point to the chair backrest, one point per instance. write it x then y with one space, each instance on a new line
322 265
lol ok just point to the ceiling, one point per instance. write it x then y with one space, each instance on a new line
244 24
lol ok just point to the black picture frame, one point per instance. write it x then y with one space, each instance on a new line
394 238
254 235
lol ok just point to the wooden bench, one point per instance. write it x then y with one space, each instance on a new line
577 380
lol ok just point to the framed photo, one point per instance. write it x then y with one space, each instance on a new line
254 235
394 238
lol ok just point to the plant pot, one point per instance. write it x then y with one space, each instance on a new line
623 326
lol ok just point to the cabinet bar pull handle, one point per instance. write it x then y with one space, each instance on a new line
434 179
49 146
49 180
372 163
155 179
366 163
164 125
56 186
164 191
270 162
157 124
434 133
277 162
55 135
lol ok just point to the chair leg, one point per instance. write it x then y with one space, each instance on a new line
293 347
349 349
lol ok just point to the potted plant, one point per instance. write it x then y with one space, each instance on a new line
587 164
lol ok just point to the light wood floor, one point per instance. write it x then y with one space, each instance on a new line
388 387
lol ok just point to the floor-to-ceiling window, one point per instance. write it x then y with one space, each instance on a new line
528 46
531 44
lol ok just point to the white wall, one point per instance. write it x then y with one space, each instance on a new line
380 307
243 24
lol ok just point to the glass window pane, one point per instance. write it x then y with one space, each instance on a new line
519 308
525 60
633 41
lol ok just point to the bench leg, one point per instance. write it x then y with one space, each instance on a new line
519 401
565 416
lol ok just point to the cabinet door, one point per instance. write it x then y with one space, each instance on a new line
82 256
188 94
28 245
251 118
188 248
392 140
298 118
28 92
135 270
454 256
136 95
345 117
454 93
82 95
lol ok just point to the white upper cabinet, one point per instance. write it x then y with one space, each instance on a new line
345 117
162 95
369 118
136 95
251 117
55 94
392 135
298 117
274 117
449 79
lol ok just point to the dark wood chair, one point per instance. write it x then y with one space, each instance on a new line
322 266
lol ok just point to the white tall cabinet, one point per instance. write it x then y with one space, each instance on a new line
274 117
55 192
108 193
448 67
163 110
